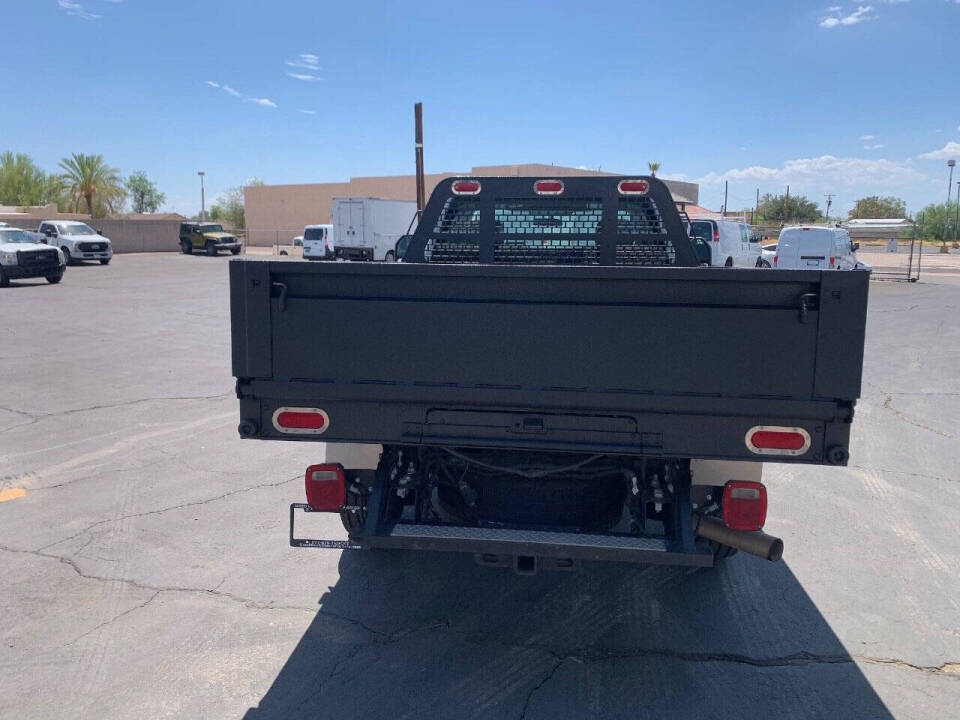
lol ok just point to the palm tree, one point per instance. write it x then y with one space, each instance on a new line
654 166
87 176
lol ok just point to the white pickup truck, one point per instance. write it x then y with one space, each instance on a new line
78 241
22 255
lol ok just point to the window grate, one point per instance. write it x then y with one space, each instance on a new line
639 215
460 216
646 252
547 251
548 216
445 251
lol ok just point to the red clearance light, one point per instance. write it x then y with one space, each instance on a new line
548 187
744 505
326 487
466 187
776 440
633 187
300 420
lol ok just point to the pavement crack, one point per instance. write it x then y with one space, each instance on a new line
887 405
36 417
209 592
115 618
535 688
159 511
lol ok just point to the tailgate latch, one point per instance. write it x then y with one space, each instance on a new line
808 302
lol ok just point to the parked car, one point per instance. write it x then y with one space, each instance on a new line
208 237
317 242
731 243
768 253
298 241
76 240
22 255
817 248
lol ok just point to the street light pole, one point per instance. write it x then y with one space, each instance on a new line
203 208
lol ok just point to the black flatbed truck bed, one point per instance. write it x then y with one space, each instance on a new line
659 362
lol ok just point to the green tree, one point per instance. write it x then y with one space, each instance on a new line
23 183
229 207
144 195
937 221
88 177
878 207
653 166
780 209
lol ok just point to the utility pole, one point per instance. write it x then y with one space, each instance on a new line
725 184
829 197
946 221
418 150
203 208
956 224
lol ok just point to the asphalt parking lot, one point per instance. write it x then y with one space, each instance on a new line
146 573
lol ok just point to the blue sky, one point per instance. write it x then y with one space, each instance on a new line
846 98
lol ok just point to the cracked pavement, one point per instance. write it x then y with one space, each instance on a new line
146 572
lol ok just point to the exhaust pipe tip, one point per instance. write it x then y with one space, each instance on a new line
756 543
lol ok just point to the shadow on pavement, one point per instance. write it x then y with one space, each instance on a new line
405 635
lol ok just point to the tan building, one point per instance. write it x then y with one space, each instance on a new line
276 213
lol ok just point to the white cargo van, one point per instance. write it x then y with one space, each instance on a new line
368 228
817 248
731 243
317 243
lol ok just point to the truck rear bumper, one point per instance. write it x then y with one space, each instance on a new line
503 541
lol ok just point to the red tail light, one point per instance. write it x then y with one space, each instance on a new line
833 261
300 420
776 440
744 505
465 187
633 187
326 487
716 235
775 258
548 187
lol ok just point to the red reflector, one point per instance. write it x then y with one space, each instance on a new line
326 487
773 440
633 187
300 421
744 505
548 187
465 187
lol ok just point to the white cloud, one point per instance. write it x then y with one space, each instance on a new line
77 10
230 91
835 18
834 9
263 102
947 152
303 76
213 84
309 112
875 146
868 138
308 61
823 171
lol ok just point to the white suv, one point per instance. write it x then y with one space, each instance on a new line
78 241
